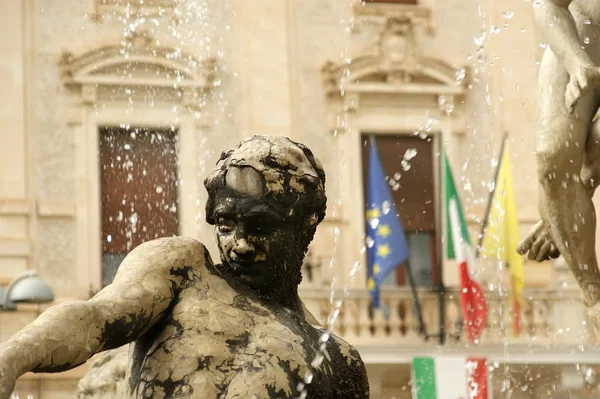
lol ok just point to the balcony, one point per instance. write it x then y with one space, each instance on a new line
552 322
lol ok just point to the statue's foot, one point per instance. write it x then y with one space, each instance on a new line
538 244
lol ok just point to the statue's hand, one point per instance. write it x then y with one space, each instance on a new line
582 81
538 244
7 382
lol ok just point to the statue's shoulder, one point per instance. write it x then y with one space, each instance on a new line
177 255
350 369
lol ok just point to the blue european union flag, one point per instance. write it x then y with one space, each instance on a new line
386 242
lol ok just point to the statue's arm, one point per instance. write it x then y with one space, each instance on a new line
558 29
68 334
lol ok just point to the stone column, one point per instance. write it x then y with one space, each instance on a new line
16 198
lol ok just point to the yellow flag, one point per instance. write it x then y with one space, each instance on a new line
501 232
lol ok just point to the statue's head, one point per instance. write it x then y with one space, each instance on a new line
265 199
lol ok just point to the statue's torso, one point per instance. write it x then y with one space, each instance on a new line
217 343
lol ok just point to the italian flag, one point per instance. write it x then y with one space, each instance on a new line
472 299
450 377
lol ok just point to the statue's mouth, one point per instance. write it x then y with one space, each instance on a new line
246 268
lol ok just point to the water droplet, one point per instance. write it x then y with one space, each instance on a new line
318 360
479 40
459 75
370 242
410 154
109 238
159 189
586 40
441 100
508 15
405 165
374 223
308 377
397 176
385 207
588 22
543 44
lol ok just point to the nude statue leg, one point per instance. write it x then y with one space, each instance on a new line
538 243
565 205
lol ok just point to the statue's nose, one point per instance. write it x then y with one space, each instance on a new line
243 247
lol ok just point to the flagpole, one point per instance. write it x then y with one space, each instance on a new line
440 245
488 207
413 289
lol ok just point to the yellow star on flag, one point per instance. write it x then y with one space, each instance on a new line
383 250
373 213
371 284
376 269
384 230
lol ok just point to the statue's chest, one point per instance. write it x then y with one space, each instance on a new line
228 343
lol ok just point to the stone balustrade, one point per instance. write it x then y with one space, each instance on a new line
547 318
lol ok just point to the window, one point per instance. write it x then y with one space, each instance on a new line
139 199
413 190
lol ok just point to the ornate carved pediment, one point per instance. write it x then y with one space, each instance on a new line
140 62
375 12
393 60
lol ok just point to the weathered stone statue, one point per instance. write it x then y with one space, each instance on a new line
567 141
233 330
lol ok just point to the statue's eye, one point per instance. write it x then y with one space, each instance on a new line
225 225
263 226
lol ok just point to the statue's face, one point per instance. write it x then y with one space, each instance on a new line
258 246
255 244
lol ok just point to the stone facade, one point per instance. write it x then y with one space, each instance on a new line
260 68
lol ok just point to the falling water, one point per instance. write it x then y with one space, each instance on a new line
347 25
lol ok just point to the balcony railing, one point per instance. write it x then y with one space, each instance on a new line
548 317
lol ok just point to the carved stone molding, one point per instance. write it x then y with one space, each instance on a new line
56 208
134 8
14 206
393 63
379 13
138 65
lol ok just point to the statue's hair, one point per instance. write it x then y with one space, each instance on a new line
312 201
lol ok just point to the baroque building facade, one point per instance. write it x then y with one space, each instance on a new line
188 79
